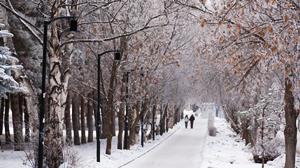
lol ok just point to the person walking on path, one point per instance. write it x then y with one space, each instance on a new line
192 118
186 120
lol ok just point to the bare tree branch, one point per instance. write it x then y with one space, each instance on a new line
24 21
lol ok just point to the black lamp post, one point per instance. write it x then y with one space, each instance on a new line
142 112
126 145
153 122
142 127
117 57
73 27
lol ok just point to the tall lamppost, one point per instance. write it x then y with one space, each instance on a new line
153 121
117 57
73 27
142 111
126 145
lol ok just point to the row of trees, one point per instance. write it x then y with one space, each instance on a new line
251 48
144 84
231 52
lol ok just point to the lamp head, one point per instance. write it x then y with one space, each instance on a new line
73 25
142 73
117 56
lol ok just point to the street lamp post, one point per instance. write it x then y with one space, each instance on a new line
126 145
142 112
73 27
117 57
153 122
142 127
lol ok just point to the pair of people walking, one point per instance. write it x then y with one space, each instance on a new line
187 119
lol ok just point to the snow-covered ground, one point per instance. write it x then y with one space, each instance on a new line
179 147
87 153
183 149
12 159
227 150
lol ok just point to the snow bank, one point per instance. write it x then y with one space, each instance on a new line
227 150
86 154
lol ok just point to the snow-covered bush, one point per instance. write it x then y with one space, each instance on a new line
264 120
8 66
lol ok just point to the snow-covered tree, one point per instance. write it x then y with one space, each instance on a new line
8 67
264 120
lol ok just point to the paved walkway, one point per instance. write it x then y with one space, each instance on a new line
182 150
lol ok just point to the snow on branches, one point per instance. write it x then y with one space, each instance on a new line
8 66
263 121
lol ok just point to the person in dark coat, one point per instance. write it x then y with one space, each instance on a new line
192 118
186 120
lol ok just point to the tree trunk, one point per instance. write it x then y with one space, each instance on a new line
17 122
102 115
246 136
89 120
68 121
110 108
162 120
106 127
21 107
110 113
83 109
134 119
177 114
57 89
290 131
121 119
6 121
166 119
108 145
75 119
1 115
26 121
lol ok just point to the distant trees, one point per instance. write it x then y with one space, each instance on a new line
250 45
11 89
149 35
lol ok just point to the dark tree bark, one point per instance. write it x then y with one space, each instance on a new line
290 131
75 118
6 121
1 115
110 108
21 108
121 117
83 109
246 136
143 114
89 120
166 116
26 121
17 122
177 114
153 121
108 145
162 120
68 120
134 119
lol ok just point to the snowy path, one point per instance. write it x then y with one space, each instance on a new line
182 149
